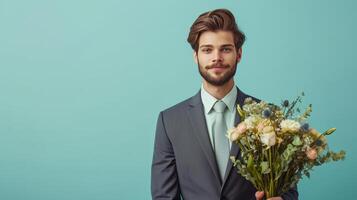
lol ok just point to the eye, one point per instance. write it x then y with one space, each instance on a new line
206 50
226 49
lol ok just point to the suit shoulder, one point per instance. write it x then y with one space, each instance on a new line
177 107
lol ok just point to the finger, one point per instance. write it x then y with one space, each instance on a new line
259 195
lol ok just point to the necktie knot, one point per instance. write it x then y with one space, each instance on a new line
219 106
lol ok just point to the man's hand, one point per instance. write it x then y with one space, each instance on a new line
260 194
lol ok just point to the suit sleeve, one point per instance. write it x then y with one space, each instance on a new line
291 194
164 180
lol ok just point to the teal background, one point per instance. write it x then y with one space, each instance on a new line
82 84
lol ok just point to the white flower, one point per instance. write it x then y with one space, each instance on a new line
251 121
268 138
289 125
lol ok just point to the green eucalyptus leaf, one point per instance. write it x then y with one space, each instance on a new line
297 141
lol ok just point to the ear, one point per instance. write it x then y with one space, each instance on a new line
195 57
239 54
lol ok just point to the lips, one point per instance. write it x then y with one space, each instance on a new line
217 66
217 69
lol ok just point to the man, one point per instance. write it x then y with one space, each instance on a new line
191 152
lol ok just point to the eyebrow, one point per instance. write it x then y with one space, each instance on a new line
209 45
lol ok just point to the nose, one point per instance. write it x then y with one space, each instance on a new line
217 57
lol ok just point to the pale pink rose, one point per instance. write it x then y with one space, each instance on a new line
242 127
311 153
234 133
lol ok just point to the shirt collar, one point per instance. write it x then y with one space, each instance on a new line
208 100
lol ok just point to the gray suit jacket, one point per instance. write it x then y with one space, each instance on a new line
184 164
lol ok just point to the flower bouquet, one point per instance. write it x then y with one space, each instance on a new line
277 146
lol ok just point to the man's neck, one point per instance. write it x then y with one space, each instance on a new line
218 91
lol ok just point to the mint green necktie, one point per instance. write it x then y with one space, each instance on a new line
220 141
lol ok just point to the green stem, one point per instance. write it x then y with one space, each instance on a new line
271 185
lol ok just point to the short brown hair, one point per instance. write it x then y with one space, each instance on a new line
219 19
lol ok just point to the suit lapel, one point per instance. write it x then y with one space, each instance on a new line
198 122
235 148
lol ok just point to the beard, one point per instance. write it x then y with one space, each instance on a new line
220 80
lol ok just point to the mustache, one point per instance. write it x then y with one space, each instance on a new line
217 66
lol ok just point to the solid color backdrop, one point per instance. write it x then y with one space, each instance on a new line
82 84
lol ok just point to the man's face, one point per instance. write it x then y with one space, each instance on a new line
217 57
